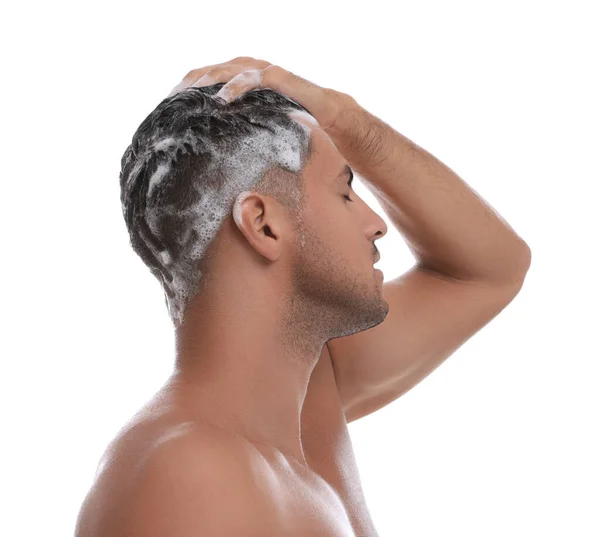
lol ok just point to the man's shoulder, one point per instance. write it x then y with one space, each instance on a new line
179 479
196 479
198 449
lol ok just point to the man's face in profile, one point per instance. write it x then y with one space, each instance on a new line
335 252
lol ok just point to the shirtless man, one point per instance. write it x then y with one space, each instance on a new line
293 334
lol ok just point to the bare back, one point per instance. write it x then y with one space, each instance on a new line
322 499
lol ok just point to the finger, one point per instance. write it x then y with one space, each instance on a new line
241 83
240 63
210 78
195 74
219 75
187 79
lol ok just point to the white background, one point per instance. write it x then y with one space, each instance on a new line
502 439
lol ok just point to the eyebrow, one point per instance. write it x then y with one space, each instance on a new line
346 171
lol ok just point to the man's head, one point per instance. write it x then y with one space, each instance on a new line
249 189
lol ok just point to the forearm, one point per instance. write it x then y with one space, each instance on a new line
448 227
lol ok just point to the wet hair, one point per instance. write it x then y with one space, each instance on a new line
187 163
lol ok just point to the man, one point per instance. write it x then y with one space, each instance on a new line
285 332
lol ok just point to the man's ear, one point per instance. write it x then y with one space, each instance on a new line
259 222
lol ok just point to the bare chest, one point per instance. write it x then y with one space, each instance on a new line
303 503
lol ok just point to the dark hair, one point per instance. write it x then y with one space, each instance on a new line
187 163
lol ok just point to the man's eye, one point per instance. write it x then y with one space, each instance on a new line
348 198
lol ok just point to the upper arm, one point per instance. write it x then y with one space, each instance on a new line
194 489
430 316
